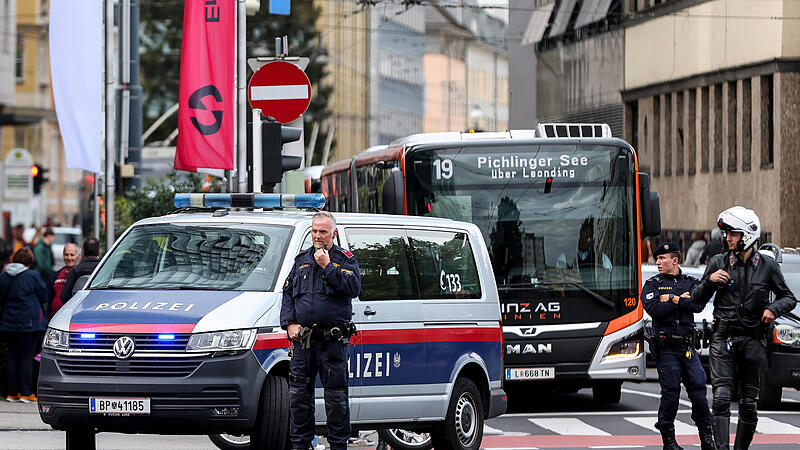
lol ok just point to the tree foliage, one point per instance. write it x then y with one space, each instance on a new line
162 26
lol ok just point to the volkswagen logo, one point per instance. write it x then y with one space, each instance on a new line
123 347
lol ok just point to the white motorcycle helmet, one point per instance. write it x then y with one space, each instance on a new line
743 220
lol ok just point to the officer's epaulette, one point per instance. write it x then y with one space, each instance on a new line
656 278
347 253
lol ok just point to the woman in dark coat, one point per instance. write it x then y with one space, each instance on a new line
23 295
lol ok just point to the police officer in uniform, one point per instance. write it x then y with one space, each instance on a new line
667 298
742 279
317 313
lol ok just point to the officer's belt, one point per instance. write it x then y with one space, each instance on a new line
665 338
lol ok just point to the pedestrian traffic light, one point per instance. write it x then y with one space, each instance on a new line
273 163
39 175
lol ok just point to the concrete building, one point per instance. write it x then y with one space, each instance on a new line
712 104
28 118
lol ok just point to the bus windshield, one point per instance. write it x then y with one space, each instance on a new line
559 220
243 257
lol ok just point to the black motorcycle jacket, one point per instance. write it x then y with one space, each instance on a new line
743 299
316 296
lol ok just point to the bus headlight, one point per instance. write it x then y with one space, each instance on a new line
56 339
626 348
786 334
231 340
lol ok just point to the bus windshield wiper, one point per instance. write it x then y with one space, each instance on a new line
608 303
527 286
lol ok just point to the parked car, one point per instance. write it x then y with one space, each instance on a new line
64 235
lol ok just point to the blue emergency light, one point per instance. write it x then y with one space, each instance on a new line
88 335
166 337
315 201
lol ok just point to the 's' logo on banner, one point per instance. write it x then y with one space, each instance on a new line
196 102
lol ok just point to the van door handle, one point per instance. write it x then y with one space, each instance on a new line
369 311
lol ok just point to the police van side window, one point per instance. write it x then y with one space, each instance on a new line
444 263
384 263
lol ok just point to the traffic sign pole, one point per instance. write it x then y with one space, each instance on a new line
257 156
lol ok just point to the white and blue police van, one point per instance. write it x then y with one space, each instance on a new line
177 331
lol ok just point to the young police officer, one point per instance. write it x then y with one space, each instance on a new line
666 297
742 279
317 314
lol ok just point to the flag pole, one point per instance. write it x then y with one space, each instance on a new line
110 125
241 107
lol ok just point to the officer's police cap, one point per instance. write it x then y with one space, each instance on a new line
666 247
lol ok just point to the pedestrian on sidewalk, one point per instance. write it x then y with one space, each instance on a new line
91 258
43 254
23 296
59 278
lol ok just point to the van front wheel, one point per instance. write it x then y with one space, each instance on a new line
271 431
463 426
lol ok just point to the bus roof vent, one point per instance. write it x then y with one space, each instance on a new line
573 130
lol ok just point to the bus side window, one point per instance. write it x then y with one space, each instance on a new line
384 264
444 263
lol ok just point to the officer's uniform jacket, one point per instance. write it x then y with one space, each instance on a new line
322 297
667 316
753 281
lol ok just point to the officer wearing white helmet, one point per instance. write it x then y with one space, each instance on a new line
742 279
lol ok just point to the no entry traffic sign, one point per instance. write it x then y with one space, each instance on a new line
281 90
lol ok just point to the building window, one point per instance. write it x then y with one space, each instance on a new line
730 120
691 131
704 142
767 123
669 130
717 102
746 109
656 135
19 65
680 141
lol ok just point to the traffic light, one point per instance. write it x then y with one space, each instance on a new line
273 163
39 175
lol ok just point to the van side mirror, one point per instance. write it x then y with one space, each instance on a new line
650 206
393 195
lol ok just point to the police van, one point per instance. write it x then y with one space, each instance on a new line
178 331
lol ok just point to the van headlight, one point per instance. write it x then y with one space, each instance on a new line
56 339
626 348
231 340
786 334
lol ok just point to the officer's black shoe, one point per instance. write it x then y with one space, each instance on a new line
668 438
721 426
744 435
706 437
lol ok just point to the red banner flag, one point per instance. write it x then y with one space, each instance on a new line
207 92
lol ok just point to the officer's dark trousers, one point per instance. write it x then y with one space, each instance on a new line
329 359
21 350
743 363
673 366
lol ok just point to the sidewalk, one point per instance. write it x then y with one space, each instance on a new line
20 417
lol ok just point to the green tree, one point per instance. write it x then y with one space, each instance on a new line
162 26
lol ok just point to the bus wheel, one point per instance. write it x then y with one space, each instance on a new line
608 392
271 431
406 440
80 437
462 428
231 441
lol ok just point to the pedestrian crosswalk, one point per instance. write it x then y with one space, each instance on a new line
622 424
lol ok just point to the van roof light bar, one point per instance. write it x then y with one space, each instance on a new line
312 201
573 130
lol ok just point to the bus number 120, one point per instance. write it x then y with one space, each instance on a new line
444 168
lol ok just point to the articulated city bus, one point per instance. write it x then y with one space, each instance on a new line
562 209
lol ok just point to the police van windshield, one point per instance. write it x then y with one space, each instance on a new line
243 257
555 217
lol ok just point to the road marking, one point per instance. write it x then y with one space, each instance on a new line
770 426
569 426
650 394
649 423
489 431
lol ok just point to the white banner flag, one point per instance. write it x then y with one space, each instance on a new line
76 67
